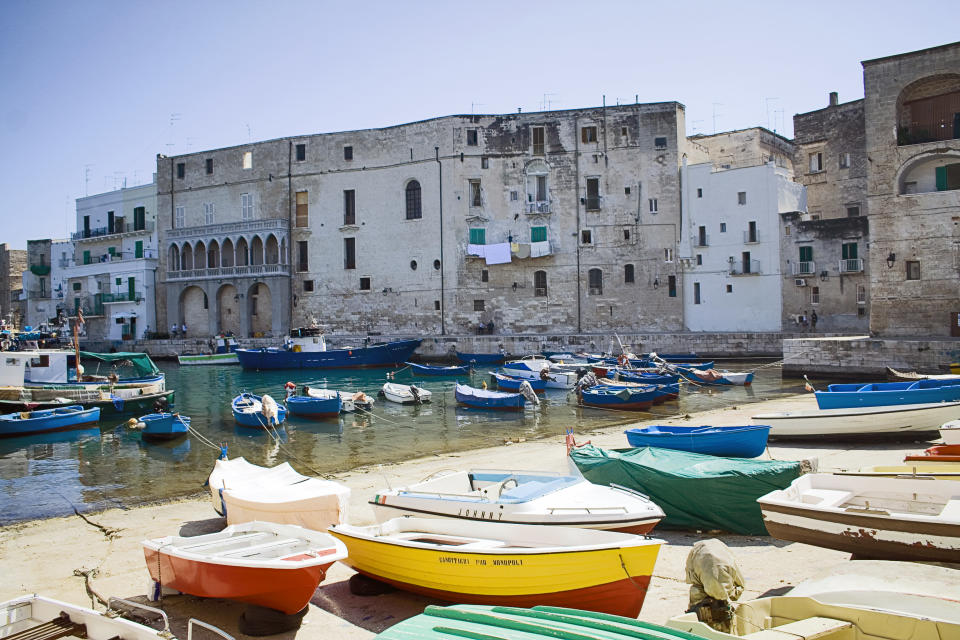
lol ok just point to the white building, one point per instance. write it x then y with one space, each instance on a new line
112 273
730 245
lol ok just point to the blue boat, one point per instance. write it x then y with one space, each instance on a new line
622 398
310 407
729 442
481 358
881 394
714 377
512 383
485 399
644 377
432 370
45 420
164 426
248 411
306 348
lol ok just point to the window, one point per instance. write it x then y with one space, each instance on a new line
365 283
538 146
745 262
349 206
588 134
848 251
699 259
595 277
701 236
302 259
814 295
475 194
752 235
586 236
209 166
538 234
853 211
787 230
413 265
806 254
729 288
484 162
723 227
414 211
540 284
248 159
696 293
816 162
626 191
660 143
209 212
541 188
303 211
699 193
668 255
913 269
484 275
626 234
178 217
478 236
672 286
138 249
139 220
206 301
348 153
478 305
593 194
436 265
654 206
844 161
349 253
246 206
436 305
76 285
471 137
301 154
861 294
628 274
948 176
514 195
308 285
741 197
181 170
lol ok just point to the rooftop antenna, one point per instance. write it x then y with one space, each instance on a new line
249 137
547 102
768 101
86 179
475 105
174 117
715 105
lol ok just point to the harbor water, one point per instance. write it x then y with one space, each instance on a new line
110 466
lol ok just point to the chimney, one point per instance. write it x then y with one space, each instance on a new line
833 98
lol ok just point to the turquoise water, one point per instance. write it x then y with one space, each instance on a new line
51 475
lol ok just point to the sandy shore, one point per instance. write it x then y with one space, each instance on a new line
46 556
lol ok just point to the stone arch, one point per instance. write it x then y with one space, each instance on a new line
228 309
173 260
929 172
256 250
537 178
242 252
260 308
200 255
213 254
272 250
227 258
193 312
928 110
187 256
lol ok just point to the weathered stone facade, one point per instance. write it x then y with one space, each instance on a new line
747 148
13 262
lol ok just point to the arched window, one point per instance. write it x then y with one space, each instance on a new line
540 283
414 210
596 282
628 273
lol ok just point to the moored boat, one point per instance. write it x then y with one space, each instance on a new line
881 394
349 401
436 370
164 426
306 348
714 376
895 420
224 348
250 410
540 369
623 398
277 566
47 420
405 394
486 399
735 442
311 407
505 564
894 375
941 453
512 383
900 518
482 359
521 497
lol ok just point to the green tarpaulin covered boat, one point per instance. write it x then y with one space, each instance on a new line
695 491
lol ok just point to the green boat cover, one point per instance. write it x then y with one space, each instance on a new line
141 362
695 491
512 623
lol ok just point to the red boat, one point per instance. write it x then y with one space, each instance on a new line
940 453
278 566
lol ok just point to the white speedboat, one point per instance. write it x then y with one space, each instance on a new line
521 497
539 368
405 393
863 421
244 492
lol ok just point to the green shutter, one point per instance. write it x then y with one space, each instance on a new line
941 178
138 251
806 254
119 281
131 289
86 257
478 236
112 251
538 234
849 251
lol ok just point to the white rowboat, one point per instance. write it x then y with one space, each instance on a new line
865 421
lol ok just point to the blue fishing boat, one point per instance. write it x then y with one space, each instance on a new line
881 394
512 383
485 399
644 377
59 419
623 398
248 411
433 370
306 348
662 392
481 358
714 377
731 442
164 426
311 407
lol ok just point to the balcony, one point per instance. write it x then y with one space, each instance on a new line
852 265
40 269
245 271
538 207
701 240
745 268
112 298
803 268
751 237
270 224
592 203
118 229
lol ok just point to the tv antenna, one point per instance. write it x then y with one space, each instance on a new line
547 102
715 105
475 105
768 101
86 179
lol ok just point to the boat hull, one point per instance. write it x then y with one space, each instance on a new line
844 396
508 383
164 426
491 400
315 408
732 442
481 358
18 426
900 420
379 355
429 370
208 359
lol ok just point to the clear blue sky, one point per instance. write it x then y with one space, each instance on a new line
92 91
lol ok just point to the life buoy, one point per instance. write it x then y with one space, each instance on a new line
349 353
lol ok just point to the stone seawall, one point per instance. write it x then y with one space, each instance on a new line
863 356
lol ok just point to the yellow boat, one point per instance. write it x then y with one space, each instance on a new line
507 564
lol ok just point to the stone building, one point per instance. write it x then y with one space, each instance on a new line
13 262
557 221
747 148
44 281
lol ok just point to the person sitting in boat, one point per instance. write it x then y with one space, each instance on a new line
160 405
545 373
291 389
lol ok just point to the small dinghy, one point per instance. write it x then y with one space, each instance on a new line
47 420
940 453
405 394
512 565
512 383
433 370
163 426
521 497
623 398
243 492
349 401
895 420
732 442
311 407
277 566
882 394
486 399
253 411
715 376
